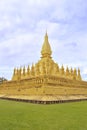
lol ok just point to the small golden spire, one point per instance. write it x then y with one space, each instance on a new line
14 71
17 71
62 70
20 70
67 71
71 71
28 70
32 70
24 70
79 76
75 72
37 69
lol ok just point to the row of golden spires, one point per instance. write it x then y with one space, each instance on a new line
38 70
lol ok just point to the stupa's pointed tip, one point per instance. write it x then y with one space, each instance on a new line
46 34
46 30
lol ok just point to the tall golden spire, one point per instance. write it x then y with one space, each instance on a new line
46 49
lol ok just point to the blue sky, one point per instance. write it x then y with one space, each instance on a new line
23 24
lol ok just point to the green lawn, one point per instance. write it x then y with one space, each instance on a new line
25 116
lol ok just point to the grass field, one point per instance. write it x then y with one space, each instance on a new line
25 116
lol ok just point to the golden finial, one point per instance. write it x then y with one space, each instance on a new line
46 33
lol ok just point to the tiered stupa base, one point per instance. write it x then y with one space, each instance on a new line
45 89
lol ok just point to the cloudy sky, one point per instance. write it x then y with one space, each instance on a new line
23 24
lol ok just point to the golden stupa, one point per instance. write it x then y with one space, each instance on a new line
46 67
45 79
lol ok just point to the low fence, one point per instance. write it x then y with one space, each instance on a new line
43 102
